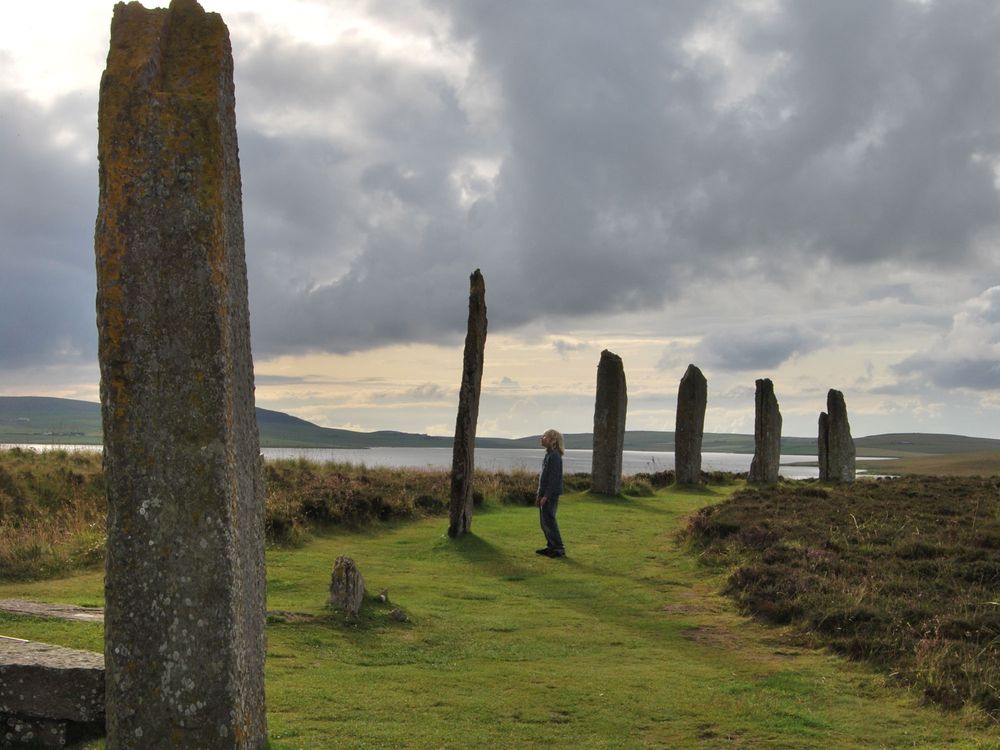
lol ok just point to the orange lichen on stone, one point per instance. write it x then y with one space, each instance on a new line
185 528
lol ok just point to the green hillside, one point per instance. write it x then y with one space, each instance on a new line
35 419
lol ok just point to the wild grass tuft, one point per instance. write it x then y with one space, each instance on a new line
53 504
52 512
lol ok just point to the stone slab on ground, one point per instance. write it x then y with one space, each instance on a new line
44 609
96 614
43 681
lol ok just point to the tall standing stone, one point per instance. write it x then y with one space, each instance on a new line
836 446
692 399
463 461
823 446
609 425
766 435
184 585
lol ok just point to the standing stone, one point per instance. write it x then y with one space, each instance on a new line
766 436
184 584
463 462
347 587
692 398
838 465
823 446
609 425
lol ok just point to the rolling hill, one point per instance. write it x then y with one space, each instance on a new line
37 419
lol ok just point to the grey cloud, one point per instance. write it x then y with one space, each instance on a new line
974 374
626 169
428 392
620 160
756 350
968 354
564 347
48 199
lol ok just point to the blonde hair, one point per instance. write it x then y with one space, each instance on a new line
560 444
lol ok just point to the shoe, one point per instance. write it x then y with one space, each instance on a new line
543 551
557 553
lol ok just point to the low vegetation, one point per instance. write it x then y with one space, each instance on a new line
52 512
303 495
53 507
903 573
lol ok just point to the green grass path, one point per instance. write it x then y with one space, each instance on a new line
624 644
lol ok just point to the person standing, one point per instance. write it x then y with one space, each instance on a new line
550 487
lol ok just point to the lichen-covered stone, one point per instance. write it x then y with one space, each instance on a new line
766 434
26 732
463 463
185 617
347 587
692 400
839 463
49 694
611 404
50 682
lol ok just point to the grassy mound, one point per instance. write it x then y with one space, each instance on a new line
904 574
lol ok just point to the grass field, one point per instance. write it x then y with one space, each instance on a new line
972 464
625 644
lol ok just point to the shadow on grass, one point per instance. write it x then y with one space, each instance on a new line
658 504
693 489
478 551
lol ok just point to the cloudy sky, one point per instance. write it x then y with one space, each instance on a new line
802 190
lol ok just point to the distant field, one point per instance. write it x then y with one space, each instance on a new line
983 463
64 421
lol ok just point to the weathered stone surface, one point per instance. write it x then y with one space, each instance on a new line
21 731
692 399
42 681
766 434
610 407
823 446
839 465
347 587
184 619
463 462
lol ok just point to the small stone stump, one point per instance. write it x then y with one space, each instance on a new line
49 695
836 446
610 406
766 435
463 464
692 399
347 588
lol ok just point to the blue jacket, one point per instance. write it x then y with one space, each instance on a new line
550 482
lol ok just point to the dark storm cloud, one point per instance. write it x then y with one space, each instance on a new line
48 189
631 157
589 157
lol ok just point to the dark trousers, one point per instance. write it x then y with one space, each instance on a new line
547 517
